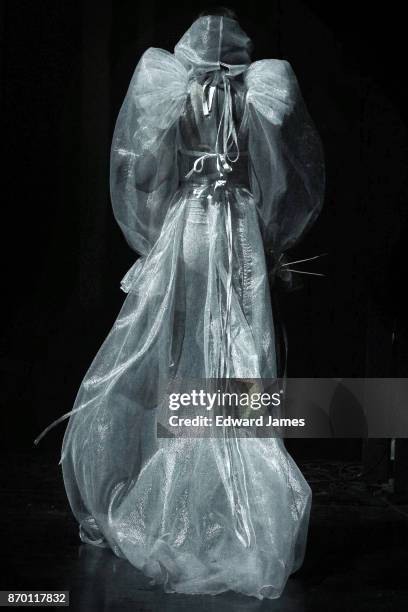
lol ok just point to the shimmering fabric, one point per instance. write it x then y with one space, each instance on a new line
212 160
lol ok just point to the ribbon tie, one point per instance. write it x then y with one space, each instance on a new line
226 139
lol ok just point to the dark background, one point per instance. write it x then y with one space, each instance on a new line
65 67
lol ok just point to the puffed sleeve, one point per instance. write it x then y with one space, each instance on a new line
143 176
285 152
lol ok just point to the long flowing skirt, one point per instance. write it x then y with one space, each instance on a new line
197 515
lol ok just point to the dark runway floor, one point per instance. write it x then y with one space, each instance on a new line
356 559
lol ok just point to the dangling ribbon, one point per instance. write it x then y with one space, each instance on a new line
207 104
56 422
223 279
227 323
292 263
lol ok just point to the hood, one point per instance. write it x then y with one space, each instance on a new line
212 42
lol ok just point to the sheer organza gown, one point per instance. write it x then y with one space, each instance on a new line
213 160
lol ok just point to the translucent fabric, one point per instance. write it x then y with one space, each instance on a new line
213 160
